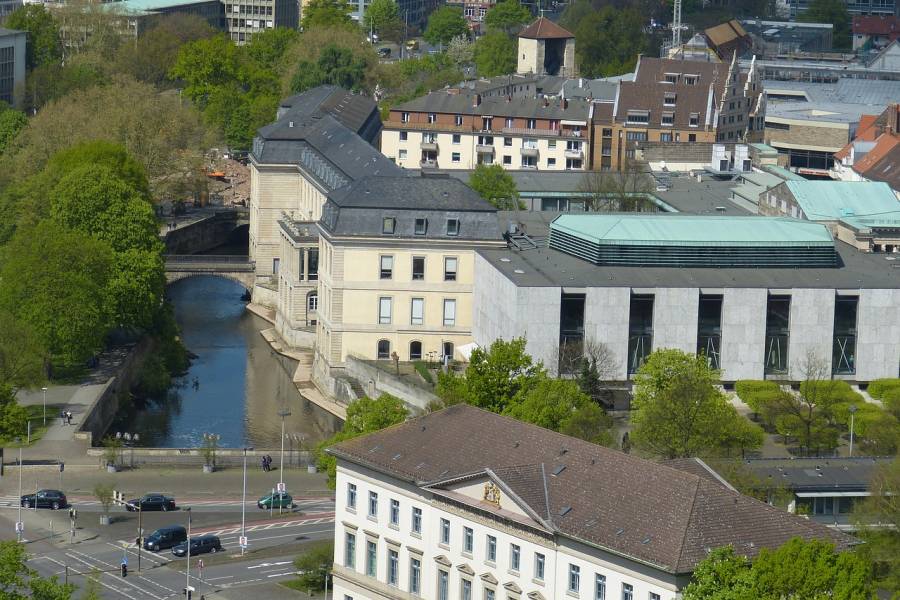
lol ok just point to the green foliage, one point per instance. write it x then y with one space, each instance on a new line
268 47
444 24
13 417
878 521
206 64
54 281
21 354
834 12
326 13
103 492
153 379
103 153
460 50
495 53
591 424
548 403
679 412
507 16
336 65
494 184
11 123
812 570
880 387
608 40
314 566
43 47
19 582
383 16
422 369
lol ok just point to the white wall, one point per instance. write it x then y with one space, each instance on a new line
606 312
675 314
743 333
878 334
812 328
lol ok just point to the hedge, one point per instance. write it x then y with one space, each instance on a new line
879 387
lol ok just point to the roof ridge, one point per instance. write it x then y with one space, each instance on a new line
687 524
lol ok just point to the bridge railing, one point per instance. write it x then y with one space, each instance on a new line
207 258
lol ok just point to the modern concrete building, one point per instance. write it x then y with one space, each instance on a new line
243 18
12 66
755 294
464 503
771 39
140 14
8 6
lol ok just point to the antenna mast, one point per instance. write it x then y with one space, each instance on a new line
676 25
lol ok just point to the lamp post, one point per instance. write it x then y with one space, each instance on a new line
140 535
281 413
44 390
129 440
244 499
852 410
187 585
19 520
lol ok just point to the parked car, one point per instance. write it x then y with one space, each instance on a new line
199 545
151 502
384 52
53 499
165 537
276 500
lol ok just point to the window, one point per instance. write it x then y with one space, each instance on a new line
447 351
387 267
691 79
551 162
402 154
486 123
491 549
453 227
694 120
387 225
665 137
373 504
668 119
636 136
393 567
404 135
653 596
276 263
395 511
351 495
538 566
485 140
432 118
417 311
507 141
531 124
415 350
456 138
529 162
554 125
450 264
671 77
415 576
350 550
384 350
404 117
445 531
465 590
669 99
574 578
488 594
507 160
514 556
421 226
551 144
600 588
443 591
627 591
313 266
449 313
509 123
530 144
468 539
457 120
371 558
416 520
455 157
692 137
384 311
573 163
418 268
638 116
429 138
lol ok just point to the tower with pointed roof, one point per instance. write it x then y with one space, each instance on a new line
545 48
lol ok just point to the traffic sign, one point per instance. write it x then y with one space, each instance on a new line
242 541
20 526
281 487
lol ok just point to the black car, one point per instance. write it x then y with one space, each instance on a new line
165 537
54 499
151 502
199 545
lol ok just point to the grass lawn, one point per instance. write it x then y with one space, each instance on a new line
36 418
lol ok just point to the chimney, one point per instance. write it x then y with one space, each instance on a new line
476 101
580 82
565 103
546 102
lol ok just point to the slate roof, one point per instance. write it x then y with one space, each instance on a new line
645 511
819 474
545 29
354 111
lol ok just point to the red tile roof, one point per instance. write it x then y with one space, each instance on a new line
882 162
865 132
545 29
877 25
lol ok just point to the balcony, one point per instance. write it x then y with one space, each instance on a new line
401 126
574 154
428 164
530 151
429 146
541 132
484 149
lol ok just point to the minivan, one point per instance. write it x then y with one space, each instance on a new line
165 537
199 545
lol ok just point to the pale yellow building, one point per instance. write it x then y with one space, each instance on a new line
396 270
298 283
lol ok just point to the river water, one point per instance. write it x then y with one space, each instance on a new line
235 387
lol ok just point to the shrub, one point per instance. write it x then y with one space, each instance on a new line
422 370
879 387
761 396
891 401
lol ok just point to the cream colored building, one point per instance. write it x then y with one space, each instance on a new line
298 283
396 272
545 48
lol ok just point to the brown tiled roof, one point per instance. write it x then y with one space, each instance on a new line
545 29
866 131
643 510
726 32
882 162
877 25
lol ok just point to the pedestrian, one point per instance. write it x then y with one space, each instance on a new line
269 460
262 462
62 416
68 417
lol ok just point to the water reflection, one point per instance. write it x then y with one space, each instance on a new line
235 387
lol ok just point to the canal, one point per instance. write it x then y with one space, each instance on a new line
236 385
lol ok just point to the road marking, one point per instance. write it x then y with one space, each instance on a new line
104 584
282 574
145 555
222 577
265 564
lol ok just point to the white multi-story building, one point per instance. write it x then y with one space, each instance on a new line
467 504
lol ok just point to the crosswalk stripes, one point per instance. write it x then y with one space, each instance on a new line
233 530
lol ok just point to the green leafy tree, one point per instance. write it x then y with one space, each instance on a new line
461 51
382 16
43 47
11 123
444 24
19 582
13 417
591 424
54 280
495 54
507 16
677 409
22 355
834 12
336 65
722 575
326 13
204 65
608 40
267 48
496 185
135 287
314 565
878 521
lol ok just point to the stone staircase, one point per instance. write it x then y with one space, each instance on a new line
357 388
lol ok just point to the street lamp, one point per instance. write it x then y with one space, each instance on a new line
244 501
281 413
44 389
19 520
187 586
852 410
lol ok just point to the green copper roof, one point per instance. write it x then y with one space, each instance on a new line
143 6
833 200
677 230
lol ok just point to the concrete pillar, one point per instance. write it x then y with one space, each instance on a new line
538 320
811 328
878 334
606 312
743 333
675 314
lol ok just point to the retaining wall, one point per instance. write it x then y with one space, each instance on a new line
384 383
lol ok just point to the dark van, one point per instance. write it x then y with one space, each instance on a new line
199 545
165 537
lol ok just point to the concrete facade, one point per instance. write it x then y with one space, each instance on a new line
743 333
675 313
878 334
606 322
12 66
812 324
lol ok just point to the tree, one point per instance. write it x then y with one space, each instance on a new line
834 12
722 575
309 47
383 16
326 13
21 354
617 191
444 24
591 424
54 280
204 65
19 582
507 16
267 48
495 54
678 411
336 65
548 403
495 185
13 417
461 51
11 123
594 362
43 47
878 521
314 565
608 40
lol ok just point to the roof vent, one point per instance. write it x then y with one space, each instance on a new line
420 465
519 271
516 445
620 531
396 456
290 124
504 259
645 541
559 470
563 451
565 510
375 448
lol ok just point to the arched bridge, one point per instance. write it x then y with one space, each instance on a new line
237 268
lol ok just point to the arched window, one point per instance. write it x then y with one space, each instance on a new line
447 350
415 350
384 349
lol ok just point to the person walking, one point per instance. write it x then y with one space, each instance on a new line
68 417
262 462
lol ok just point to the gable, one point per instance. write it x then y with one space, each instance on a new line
488 493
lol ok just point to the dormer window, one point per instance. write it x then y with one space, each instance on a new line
421 226
694 120
669 99
432 118
671 77
691 79
404 117
458 119
668 119
453 227
388 225
639 116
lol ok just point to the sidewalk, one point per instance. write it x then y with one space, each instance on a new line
58 441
